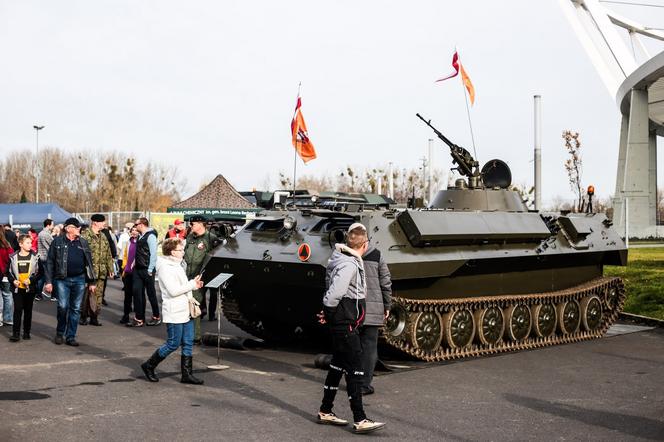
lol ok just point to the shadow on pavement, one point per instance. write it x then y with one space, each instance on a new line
635 426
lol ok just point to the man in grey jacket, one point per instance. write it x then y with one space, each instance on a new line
378 300
344 312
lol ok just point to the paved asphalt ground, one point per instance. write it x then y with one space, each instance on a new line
606 390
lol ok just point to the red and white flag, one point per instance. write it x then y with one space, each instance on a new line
456 64
301 142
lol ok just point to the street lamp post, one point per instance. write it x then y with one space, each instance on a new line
37 129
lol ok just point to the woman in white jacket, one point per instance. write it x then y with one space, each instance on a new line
175 295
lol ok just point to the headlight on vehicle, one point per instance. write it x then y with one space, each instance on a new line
290 222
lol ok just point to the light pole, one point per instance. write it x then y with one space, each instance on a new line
37 129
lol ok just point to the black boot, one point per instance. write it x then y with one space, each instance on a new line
188 371
149 366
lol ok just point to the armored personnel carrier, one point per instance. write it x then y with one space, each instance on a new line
475 273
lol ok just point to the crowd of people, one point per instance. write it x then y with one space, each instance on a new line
71 264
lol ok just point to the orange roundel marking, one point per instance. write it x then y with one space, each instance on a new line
304 252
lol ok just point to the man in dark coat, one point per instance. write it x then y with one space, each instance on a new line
379 300
69 267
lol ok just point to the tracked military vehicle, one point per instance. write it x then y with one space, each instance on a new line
475 273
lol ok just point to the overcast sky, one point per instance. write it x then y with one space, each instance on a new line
210 86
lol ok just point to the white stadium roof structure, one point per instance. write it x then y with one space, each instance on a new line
636 80
649 76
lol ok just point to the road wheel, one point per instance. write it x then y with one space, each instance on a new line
570 316
427 331
591 313
396 322
490 325
459 328
518 322
544 316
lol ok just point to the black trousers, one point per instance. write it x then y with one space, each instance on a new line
144 284
346 360
369 341
23 302
128 282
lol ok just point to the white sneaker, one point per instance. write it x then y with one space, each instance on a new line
9 323
330 419
367 426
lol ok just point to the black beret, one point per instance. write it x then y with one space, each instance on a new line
98 218
72 222
197 219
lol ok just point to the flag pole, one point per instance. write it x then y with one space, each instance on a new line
294 172
465 96
299 86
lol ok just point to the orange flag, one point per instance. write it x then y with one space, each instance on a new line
469 84
465 79
301 142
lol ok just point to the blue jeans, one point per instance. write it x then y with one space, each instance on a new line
6 303
70 295
178 334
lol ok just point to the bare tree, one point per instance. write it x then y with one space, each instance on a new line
284 181
573 165
81 181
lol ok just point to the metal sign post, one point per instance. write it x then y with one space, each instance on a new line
218 282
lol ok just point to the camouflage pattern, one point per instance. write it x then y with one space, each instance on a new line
196 251
102 262
91 305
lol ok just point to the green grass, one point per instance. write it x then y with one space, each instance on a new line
644 281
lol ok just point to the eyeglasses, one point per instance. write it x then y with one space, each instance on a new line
178 250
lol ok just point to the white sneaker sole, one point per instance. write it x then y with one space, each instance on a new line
337 424
368 430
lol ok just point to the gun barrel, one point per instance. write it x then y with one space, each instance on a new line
460 156
437 132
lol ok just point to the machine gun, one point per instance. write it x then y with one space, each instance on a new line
466 164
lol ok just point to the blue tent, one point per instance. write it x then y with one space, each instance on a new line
27 215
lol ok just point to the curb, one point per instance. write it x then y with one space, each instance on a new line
643 320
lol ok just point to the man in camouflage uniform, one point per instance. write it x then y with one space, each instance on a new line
198 245
102 262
